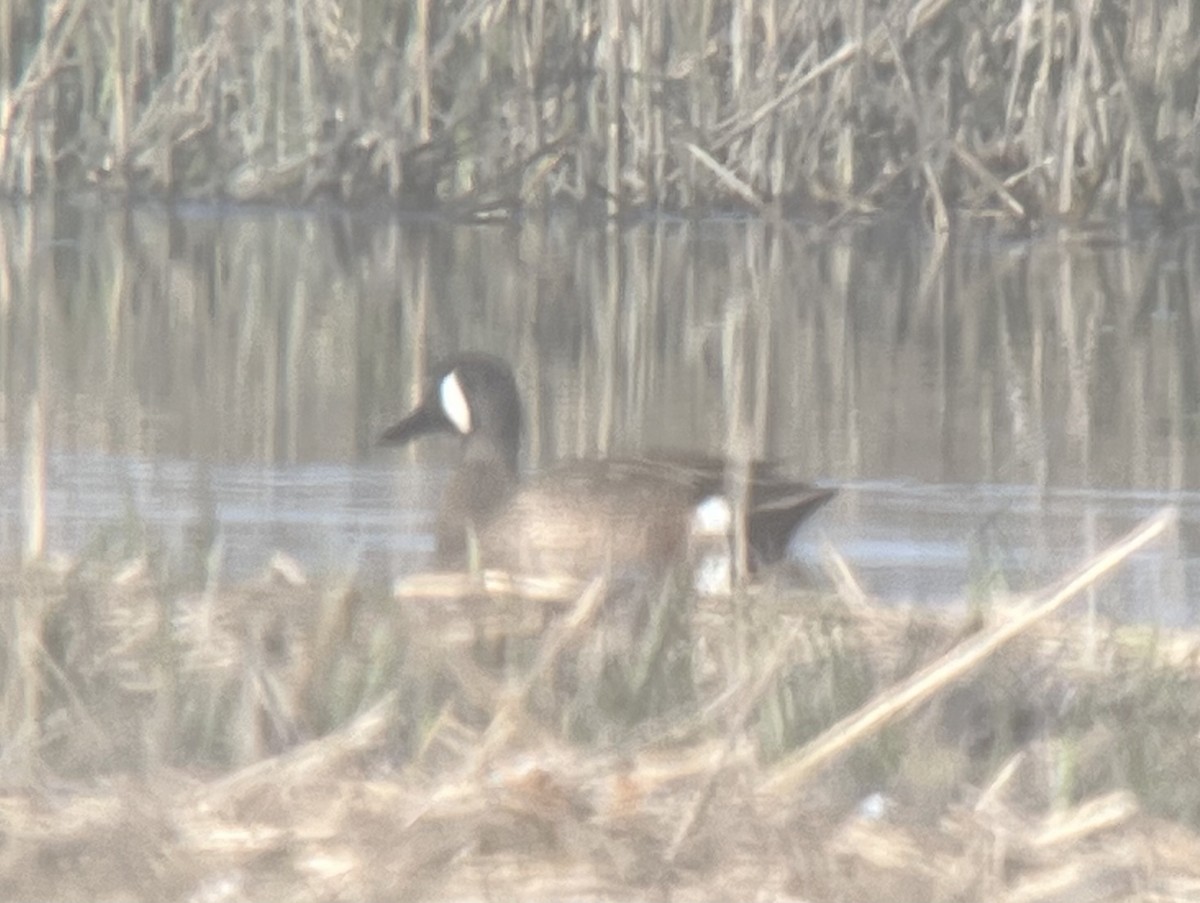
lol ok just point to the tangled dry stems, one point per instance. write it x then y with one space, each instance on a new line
463 740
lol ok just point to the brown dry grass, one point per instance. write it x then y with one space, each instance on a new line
1025 110
466 738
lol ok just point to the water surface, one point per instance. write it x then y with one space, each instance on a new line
996 408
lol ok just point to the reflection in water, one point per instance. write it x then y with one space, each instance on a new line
999 408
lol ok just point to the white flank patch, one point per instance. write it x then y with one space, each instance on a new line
709 546
712 517
713 575
454 403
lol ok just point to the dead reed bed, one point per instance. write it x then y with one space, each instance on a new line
472 737
1024 110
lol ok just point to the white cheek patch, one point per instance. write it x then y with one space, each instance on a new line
454 403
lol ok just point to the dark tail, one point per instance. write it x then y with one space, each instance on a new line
776 512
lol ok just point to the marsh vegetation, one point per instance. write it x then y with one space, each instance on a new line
1023 110
470 737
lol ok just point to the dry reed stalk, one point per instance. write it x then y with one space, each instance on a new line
614 86
728 178
733 127
615 281
941 215
790 774
424 75
989 180
309 760
17 114
849 588
1076 76
33 483
1084 821
1137 141
503 722
445 586
734 342
747 697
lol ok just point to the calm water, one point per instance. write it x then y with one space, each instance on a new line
995 408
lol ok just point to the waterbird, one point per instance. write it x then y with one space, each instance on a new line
580 518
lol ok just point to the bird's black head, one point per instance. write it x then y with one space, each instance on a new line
473 396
